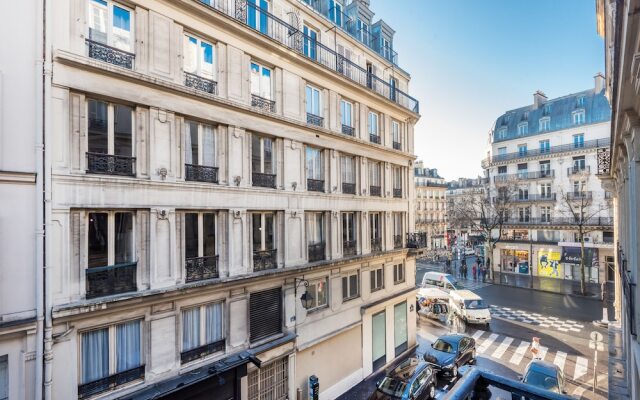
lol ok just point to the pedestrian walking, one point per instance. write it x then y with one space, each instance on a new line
483 273
474 271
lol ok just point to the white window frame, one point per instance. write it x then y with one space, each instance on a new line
502 133
260 86
375 175
314 293
201 215
545 146
522 150
545 214
111 125
263 229
396 171
545 124
314 220
347 278
111 234
199 70
395 132
201 145
523 128
578 139
376 279
344 105
353 224
108 8
311 103
373 124
262 154
309 172
344 160
310 42
398 273
203 326
578 117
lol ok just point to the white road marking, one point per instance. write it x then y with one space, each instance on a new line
502 348
582 365
520 351
487 342
477 335
561 357
543 352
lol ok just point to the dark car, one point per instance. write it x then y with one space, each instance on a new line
411 379
450 352
544 375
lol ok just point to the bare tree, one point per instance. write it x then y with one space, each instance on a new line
486 211
580 212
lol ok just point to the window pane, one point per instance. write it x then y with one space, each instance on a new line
256 225
322 293
191 235
206 57
98 127
209 234
265 83
98 21
214 322
121 29
208 146
345 288
268 239
191 145
353 285
95 355
309 100
255 79
128 346
190 54
122 130
98 240
268 155
124 238
190 328
256 162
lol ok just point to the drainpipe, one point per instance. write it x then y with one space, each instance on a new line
48 340
39 188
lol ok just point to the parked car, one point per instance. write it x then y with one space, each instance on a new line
449 352
544 375
470 307
411 379
440 280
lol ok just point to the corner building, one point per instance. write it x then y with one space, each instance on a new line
216 165
431 205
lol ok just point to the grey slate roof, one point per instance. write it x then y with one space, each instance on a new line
559 111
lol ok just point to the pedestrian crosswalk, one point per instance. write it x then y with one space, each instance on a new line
562 325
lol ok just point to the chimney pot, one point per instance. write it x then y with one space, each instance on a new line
599 82
539 98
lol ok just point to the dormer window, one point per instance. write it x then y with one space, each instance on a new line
547 109
502 133
523 128
545 124
580 101
578 117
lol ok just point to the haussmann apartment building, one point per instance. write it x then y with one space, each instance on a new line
211 199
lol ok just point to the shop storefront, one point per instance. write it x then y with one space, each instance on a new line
515 261
571 257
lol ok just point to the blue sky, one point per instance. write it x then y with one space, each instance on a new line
471 60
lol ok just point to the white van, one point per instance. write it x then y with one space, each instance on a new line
440 280
470 307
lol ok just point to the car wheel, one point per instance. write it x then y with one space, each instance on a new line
432 391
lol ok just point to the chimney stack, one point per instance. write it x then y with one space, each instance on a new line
539 98
599 82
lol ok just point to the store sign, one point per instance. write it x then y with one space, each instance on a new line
571 255
549 264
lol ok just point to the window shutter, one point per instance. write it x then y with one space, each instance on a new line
265 314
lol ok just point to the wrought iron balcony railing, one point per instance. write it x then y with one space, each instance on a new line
595 221
263 180
201 173
201 268
313 119
375 191
397 241
397 193
375 138
316 251
583 170
349 248
315 185
109 164
265 259
200 83
524 175
348 188
348 130
585 195
397 145
263 104
111 279
294 39
110 382
202 351
417 240
376 244
563 148
109 54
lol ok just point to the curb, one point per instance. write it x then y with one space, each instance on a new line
593 297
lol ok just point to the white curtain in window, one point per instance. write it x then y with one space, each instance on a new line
374 174
314 163
95 355
208 146
98 22
190 328
128 346
214 322
396 131
190 54
206 60
265 83
347 169
315 228
255 79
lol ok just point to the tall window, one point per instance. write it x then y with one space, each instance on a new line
523 128
257 17
579 164
502 152
579 188
102 227
397 181
363 31
108 351
375 231
397 230
578 140
200 144
202 331
398 273
346 113
313 100
262 161
545 190
523 170
351 285
310 45
374 178
502 133
110 24
348 174
578 117
545 124
545 214
262 227
110 131
545 168
261 81
200 246
373 127
395 133
319 291
315 236
314 163
349 238
377 279
335 12
544 146
522 150
524 214
502 169
198 57
523 194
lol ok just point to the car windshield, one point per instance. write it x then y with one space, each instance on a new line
475 304
457 285
541 380
446 347
392 387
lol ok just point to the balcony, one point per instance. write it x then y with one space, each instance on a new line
293 39
397 241
200 83
110 382
348 130
264 260
263 104
349 248
397 145
585 195
259 179
315 185
111 279
348 188
202 351
316 120
110 54
417 240
316 251
524 175
375 138
375 191
376 244
201 268
563 221
109 164
583 170
530 198
397 193
200 173
589 144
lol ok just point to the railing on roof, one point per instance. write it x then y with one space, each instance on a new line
589 144
273 27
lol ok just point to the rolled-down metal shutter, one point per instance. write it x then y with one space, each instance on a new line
265 314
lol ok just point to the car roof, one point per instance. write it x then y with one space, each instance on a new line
406 370
439 275
452 338
544 367
467 295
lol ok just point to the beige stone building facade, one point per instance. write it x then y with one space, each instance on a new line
228 202
431 205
